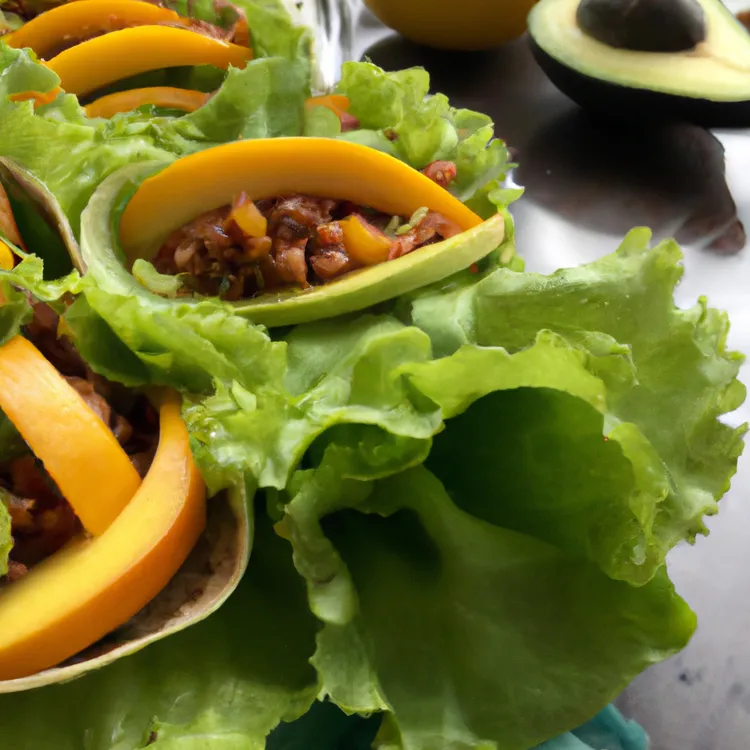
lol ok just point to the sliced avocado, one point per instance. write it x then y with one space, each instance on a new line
104 260
375 284
645 59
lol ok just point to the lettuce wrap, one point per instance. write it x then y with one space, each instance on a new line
81 459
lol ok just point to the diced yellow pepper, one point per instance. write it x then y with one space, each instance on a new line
363 243
247 217
6 257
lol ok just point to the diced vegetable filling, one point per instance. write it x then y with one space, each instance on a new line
239 251
42 521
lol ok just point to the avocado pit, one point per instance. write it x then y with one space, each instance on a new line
644 25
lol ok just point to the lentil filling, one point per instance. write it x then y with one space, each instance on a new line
248 248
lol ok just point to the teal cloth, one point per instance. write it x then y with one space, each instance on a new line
608 730
333 730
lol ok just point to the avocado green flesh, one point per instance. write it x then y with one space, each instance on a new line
104 260
716 70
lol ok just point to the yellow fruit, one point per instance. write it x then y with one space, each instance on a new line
446 24
89 588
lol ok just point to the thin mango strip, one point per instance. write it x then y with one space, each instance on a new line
160 96
83 19
103 60
85 591
78 450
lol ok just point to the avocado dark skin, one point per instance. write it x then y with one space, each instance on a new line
644 25
623 103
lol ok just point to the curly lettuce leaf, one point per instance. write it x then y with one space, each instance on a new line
274 33
464 630
223 684
397 115
655 379
667 373
327 377
510 377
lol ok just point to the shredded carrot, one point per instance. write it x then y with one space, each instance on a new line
337 103
38 97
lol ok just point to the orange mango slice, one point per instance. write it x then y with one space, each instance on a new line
77 449
266 167
81 19
160 96
103 60
88 589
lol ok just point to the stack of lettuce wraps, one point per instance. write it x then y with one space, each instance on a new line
293 452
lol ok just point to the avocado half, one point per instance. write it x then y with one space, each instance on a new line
645 59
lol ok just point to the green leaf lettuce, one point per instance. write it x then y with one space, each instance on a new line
397 115
667 373
223 684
